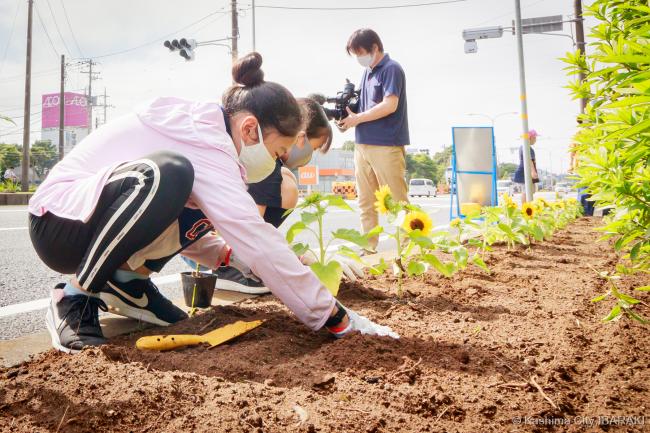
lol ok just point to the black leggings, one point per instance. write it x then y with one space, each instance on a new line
139 201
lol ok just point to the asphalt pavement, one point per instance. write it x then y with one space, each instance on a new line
25 282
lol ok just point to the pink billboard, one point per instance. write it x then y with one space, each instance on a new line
76 110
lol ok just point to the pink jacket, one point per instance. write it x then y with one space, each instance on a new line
197 131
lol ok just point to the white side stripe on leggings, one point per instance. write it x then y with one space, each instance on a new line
86 280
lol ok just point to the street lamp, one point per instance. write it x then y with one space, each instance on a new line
494 118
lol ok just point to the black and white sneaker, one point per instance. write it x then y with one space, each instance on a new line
232 279
73 321
140 300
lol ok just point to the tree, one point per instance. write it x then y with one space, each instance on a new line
613 139
505 170
348 145
443 158
9 156
43 155
422 166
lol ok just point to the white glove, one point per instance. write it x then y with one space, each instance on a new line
365 326
351 268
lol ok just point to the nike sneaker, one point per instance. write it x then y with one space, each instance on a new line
231 278
73 321
140 300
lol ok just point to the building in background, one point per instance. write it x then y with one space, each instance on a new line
75 120
337 165
414 151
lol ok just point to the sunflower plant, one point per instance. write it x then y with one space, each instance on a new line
324 264
410 223
504 223
625 303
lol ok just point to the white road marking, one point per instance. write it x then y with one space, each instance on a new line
8 229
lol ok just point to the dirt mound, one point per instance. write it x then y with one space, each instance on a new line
478 351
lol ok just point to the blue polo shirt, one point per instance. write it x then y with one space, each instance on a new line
387 78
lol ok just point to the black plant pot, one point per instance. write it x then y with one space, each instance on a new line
205 284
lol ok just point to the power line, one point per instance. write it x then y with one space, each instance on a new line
160 38
40 20
414 5
11 33
57 28
507 14
65 13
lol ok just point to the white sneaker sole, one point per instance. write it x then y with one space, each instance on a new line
117 306
54 335
232 286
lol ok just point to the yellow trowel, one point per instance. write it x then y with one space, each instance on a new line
213 338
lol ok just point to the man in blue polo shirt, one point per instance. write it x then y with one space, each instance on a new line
381 124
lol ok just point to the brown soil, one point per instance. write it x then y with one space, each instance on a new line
471 348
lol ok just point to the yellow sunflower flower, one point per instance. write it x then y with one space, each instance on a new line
455 222
383 196
417 220
541 202
508 200
528 210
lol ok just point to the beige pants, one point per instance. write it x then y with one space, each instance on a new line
375 166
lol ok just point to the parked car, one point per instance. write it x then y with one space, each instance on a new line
505 186
562 187
422 187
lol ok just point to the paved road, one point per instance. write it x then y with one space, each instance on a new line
24 278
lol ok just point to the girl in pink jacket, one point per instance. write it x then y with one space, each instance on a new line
175 166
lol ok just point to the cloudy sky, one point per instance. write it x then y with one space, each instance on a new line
305 51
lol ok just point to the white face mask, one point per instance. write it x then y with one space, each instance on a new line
365 60
300 157
256 159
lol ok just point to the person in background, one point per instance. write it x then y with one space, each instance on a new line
382 130
583 195
10 174
519 173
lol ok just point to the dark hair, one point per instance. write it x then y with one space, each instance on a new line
315 122
272 104
364 38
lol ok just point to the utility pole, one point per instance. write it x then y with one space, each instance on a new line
253 24
90 95
62 108
235 30
580 41
24 175
105 105
91 77
524 104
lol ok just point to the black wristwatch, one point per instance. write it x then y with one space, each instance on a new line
336 319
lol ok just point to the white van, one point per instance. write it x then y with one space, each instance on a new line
422 187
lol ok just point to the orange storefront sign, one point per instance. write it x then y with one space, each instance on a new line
308 175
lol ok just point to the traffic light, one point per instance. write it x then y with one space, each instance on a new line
184 46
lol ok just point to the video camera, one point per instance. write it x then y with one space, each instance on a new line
344 99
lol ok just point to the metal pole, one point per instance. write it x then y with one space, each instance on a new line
235 30
24 175
580 42
90 96
524 104
62 108
253 25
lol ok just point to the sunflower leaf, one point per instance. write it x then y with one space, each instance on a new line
351 235
330 275
294 230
